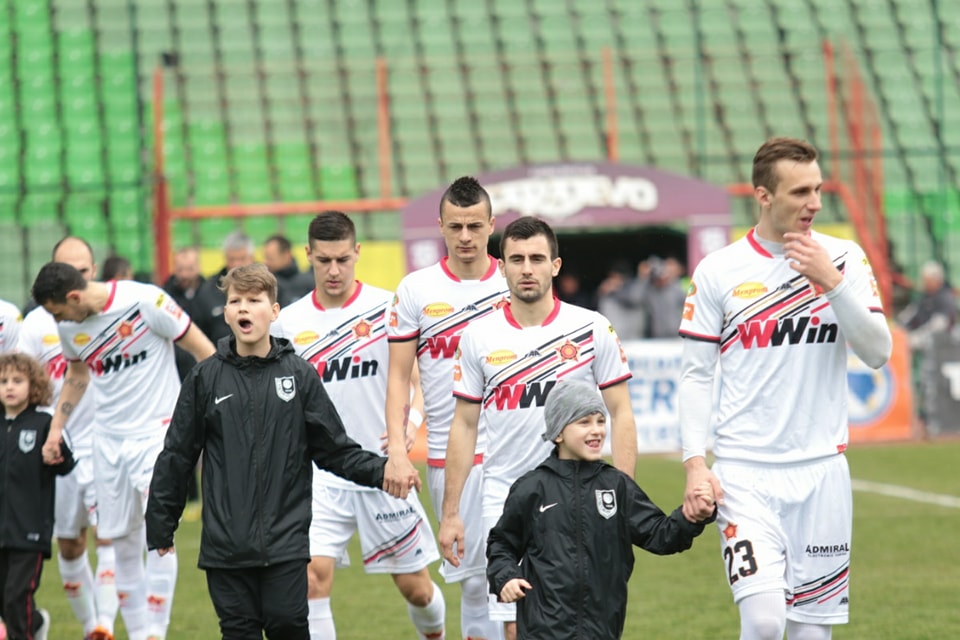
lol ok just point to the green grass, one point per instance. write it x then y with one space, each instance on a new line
904 583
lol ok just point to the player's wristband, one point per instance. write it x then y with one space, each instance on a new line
415 416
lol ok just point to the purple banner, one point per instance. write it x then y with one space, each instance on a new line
583 195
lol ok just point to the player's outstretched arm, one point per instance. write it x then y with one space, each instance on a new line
460 453
196 343
400 472
623 433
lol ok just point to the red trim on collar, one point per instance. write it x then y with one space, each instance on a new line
508 313
450 274
356 293
756 245
113 291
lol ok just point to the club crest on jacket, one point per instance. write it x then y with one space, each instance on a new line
286 389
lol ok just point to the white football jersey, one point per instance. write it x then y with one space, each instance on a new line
348 347
433 307
39 338
9 326
510 369
128 348
783 356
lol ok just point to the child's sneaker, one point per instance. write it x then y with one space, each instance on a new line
44 629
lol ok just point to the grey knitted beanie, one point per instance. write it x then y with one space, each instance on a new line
568 402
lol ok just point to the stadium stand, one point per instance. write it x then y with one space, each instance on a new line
275 100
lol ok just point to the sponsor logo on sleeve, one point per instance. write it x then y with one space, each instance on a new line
51 339
81 339
688 311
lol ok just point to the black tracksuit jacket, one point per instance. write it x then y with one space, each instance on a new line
258 423
568 528
27 485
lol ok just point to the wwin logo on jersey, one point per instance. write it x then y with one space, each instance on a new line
523 395
109 364
774 333
347 368
442 347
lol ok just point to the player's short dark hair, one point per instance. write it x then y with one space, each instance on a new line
527 227
55 281
466 192
332 226
774 150
283 244
41 391
116 266
250 278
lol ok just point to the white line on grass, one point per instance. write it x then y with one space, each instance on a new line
906 493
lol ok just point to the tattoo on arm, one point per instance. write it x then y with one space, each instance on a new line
66 408
76 384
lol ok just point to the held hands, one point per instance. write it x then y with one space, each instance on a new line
704 501
399 476
450 534
514 590
695 496
808 258
51 448
164 551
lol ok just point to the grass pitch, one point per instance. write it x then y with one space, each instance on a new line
905 572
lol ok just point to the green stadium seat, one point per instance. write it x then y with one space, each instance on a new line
212 231
259 228
39 209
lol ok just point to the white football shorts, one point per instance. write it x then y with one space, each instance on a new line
788 528
395 535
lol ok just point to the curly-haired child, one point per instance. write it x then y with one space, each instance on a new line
26 494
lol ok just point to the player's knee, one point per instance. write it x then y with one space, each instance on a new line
72 548
319 578
417 588
474 591
762 617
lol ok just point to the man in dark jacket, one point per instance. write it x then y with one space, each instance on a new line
258 414
292 284
207 307
563 547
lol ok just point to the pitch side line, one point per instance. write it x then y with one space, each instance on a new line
906 493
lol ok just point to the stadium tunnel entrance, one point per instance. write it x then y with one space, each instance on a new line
591 254
605 215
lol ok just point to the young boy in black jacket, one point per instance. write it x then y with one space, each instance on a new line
563 547
258 413
26 494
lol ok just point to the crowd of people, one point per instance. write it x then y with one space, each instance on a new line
300 395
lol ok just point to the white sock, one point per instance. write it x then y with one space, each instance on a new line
475 620
106 585
807 631
161 583
78 586
131 583
763 616
429 620
320 619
